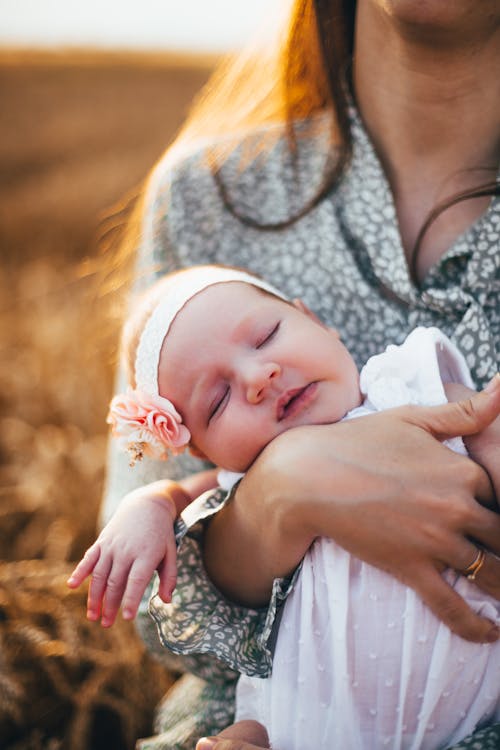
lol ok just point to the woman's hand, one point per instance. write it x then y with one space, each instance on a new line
385 489
484 446
138 540
244 735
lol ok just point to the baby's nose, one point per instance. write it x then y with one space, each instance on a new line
259 379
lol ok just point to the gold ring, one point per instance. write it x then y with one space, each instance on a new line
473 569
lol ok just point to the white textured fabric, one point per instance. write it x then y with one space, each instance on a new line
177 292
360 662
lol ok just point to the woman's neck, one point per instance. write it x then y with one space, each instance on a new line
430 101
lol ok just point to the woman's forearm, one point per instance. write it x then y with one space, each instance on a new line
381 486
257 536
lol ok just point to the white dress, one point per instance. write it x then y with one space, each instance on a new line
360 663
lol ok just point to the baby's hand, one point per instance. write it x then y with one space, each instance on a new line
138 540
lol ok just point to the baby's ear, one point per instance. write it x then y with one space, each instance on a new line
300 305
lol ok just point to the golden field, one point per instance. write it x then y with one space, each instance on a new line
78 131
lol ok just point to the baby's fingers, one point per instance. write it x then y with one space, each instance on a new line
138 579
97 588
167 571
84 567
116 585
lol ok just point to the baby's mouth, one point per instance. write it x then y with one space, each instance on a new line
292 402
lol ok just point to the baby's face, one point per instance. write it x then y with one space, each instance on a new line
242 367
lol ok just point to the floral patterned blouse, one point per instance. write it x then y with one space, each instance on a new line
345 259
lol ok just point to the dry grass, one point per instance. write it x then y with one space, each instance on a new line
76 137
62 685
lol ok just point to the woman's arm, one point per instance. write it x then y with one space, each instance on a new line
383 487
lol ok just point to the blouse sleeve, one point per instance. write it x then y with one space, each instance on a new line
200 620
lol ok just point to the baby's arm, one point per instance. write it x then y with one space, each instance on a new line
137 540
484 447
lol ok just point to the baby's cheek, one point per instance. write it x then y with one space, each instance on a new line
244 448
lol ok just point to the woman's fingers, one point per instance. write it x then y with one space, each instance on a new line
451 609
484 527
467 554
488 576
464 417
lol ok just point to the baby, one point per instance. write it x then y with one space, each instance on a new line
315 382
242 365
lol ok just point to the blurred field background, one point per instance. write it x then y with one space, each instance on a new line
78 130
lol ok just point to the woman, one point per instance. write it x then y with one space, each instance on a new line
390 111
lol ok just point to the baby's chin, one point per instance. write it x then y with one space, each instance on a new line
244 463
337 410
241 467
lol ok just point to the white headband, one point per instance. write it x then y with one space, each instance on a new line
177 292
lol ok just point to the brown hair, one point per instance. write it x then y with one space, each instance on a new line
275 81
300 72
288 75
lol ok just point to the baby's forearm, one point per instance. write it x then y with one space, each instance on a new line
196 484
181 493
484 447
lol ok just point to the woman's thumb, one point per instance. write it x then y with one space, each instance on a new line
465 417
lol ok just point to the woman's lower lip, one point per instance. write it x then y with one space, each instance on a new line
300 401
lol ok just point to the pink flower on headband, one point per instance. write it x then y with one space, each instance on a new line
147 425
